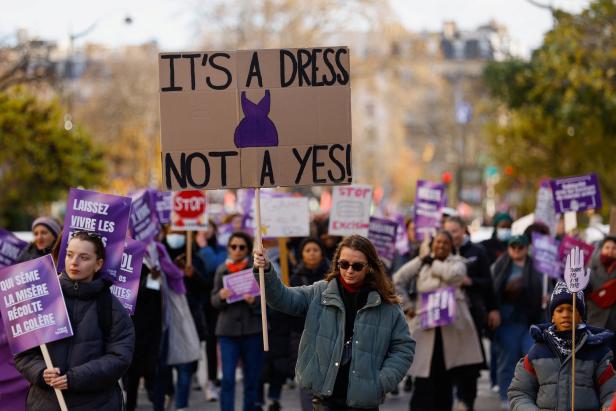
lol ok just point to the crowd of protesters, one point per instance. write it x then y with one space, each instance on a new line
345 330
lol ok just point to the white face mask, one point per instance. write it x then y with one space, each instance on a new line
503 234
176 241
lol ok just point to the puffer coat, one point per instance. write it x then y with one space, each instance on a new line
382 347
93 361
542 379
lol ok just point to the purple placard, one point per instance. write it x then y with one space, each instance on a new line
143 217
568 243
402 240
10 248
32 306
162 203
126 286
104 214
429 199
545 255
437 308
382 234
240 283
576 193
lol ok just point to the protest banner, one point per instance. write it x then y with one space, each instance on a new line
32 308
568 243
101 214
189 210
437 308
576 193
382 234
255 118
162 202
126 286
546 258
402 239
144 223
285 217
10 248
544 209
240 283
429 200
350 213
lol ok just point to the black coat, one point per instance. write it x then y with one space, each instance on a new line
92 361
31 253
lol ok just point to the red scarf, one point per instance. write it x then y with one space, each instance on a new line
235 267
609 263
350 288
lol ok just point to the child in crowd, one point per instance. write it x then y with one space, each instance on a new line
543 377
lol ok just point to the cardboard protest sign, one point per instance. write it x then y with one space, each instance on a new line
545 255
255 118
437 308
350 212
126 285
10 248
544 210
240 283
162 202
285 216
188 210
106 215
429 199
32 306
576 275
568 243
144 218
576 193
382 234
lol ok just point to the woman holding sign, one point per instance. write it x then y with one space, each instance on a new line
355 345
239 326
89 364
445 342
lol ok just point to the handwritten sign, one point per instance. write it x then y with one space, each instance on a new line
382 234
32 306
126 286
350 213
545 255
240 283
576 193
255 118
188 210
429 200
437 308
10 248
576 275
102 214
285 216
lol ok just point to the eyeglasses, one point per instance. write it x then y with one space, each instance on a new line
240 247
344 265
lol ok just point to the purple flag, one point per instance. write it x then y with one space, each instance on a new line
32 306
429 199
10 248
545 255
437 308
126 286
382 234
240 283
143 217
576 193
104 214
162 203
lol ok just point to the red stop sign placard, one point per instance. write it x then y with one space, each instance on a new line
189 209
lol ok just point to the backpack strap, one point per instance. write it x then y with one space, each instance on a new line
104 308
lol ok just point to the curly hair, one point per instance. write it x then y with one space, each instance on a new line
376 277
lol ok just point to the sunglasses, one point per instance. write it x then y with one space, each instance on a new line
240 247
88 233
344 265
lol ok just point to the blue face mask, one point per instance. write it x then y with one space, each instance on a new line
176 241
503 234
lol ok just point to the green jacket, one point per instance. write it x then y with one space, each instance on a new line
382 346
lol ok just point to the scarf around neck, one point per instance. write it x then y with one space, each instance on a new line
235 267
561 340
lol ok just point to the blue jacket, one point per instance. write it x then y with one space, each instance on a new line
382 346
542 380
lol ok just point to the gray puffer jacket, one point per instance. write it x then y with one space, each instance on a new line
92 360
382 346
542 380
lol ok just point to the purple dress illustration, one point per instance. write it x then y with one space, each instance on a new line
256 129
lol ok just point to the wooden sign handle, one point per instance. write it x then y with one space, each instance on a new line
284 260
189 244
49 364
573 358
259 243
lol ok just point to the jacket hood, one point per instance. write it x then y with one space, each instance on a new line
83 290
595 335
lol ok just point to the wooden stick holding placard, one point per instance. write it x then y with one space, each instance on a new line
284 259
259 243
189 245
573 357
49 364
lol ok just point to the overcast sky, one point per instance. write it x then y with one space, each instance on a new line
173 24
